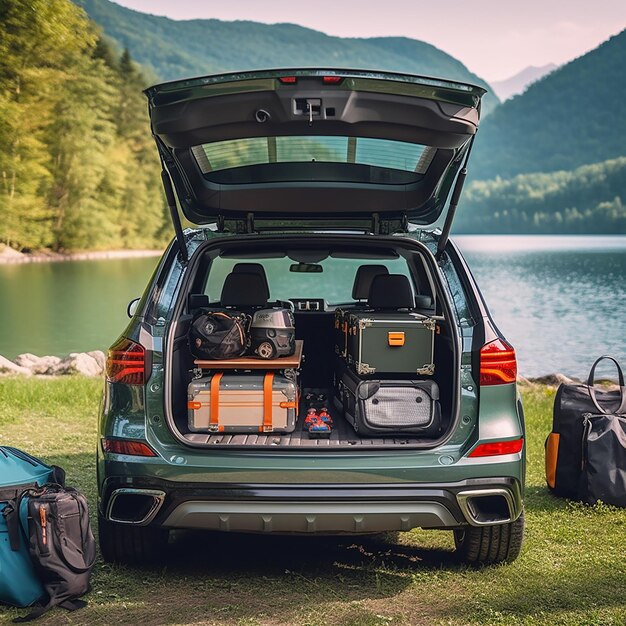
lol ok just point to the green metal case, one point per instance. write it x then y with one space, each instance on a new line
391 343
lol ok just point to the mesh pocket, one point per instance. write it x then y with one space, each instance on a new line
399 407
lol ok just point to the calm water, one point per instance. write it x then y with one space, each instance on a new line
560 301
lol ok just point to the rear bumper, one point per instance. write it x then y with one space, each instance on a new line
310 509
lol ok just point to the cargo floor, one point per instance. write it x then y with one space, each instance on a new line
342 435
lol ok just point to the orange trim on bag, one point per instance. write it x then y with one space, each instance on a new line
552 456
215 398
395 339
194 406
268 387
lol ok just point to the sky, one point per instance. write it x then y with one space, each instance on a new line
493 38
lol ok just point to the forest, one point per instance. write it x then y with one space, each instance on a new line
78 167
588 200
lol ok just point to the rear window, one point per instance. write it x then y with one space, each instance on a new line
333 284
382 153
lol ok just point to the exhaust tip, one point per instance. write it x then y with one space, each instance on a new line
134 506
487 507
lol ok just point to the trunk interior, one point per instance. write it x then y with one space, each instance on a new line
321 368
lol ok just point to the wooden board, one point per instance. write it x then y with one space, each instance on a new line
252 363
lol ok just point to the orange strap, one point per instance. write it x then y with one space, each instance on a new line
268 388
215 398
552 457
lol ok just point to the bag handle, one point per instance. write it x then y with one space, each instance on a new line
622 389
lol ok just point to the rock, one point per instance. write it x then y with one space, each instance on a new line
8 367
38 364
99 357
554 380
78 363
524 381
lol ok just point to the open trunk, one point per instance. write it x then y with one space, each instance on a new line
316 298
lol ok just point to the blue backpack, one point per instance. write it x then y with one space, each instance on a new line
19 583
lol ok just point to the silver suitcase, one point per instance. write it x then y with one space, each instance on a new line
234 403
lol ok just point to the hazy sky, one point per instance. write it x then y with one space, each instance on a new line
493 38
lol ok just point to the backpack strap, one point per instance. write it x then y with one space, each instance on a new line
12 517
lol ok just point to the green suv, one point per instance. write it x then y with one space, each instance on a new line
306 176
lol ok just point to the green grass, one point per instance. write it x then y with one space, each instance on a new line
572 569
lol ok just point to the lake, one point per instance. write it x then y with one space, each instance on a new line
561 301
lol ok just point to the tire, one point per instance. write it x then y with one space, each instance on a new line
488 545
131 545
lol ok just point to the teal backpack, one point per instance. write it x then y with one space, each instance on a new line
19 584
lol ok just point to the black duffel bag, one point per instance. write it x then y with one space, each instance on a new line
586 450
216 335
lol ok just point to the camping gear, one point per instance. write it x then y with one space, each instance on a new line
585 450
54 520
388 407
390 343
239 403
218 335
19 583
272 333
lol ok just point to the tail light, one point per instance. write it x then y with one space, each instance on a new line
127 363
332 80
498 365
125 446
497 448
288 80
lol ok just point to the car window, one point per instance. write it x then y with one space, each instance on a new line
334 283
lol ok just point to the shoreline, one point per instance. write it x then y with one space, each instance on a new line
13 257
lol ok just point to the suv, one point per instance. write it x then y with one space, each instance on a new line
303 177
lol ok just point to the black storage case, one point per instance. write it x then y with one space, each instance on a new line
391 407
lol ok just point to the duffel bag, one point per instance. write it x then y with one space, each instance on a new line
573 404
216 335
19 583
603 475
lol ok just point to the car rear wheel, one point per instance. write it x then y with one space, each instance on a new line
488 545
132 545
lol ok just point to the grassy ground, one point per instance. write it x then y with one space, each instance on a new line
572 569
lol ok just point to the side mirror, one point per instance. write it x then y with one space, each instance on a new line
131 309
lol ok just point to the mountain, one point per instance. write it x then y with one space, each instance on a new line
515 85
174 49
573 116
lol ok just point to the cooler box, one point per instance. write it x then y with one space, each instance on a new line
234 403
391 343
391 407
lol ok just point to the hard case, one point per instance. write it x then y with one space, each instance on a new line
388 407
242 403
391 343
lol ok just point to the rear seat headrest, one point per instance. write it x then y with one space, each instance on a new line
363 280
242 289
253 268
392 291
